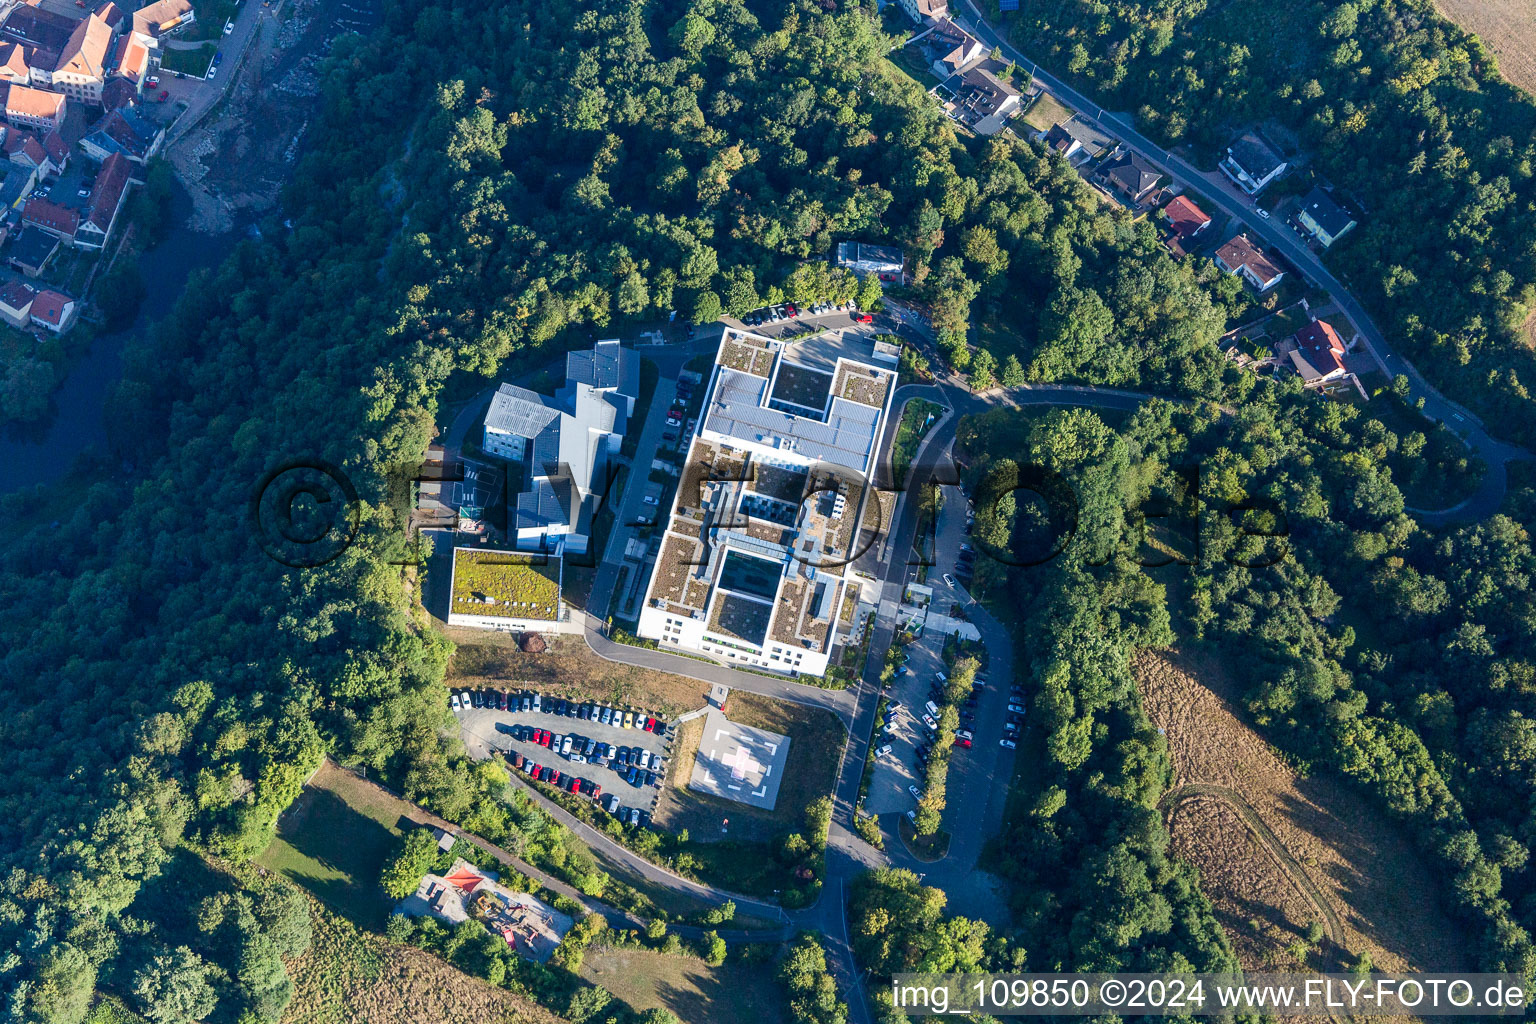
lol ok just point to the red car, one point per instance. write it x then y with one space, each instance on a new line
575 785
650 724
865 318
544 737
594 790
536 772
554 776
961 741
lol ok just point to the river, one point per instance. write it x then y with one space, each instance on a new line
42 453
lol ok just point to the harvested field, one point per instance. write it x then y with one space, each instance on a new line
567 669
733 993
1374 882
1508 27
349 976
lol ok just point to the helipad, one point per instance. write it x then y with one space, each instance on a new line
739 763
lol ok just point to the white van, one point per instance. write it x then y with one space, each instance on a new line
933 709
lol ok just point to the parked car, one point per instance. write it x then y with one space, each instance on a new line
1007 743
864 318
629 719
566 744
501 700
229 26
555 776
949 581
534 706
152 81
613 804
453 701
917 794
653 780
930 723
213 70
883 751
932 709
673 421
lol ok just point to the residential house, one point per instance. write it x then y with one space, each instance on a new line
925 12
26 107
1251 163
57 220
983 102
43 34
883 261
113 15
1185 218
1077 141
1316 352
17 180
81 70
31 249
1322 218
119 92
24 148
14 69
53 311
106 202
565 444
57 150
1132 177
954 48
1242 257
130 63
159 19
124 131
16 303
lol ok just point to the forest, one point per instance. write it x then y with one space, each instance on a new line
1397 656
1385 99
468 213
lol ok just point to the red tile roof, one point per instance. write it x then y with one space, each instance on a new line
25 145
51 215
17 295
86 52
49 306
131 59
30 102
58 149
1185 217
1321 346
110 183
1242 253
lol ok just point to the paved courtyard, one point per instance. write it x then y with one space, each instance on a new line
738 762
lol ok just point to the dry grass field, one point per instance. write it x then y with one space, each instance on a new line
567 669
1508 27
731 994
350 976
1372 878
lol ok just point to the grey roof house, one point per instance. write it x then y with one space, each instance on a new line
1132 177
1251 162
563 442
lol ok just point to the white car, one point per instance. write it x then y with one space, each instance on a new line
949 581
1009 744
930 723
453 701
912 817
932 708
578 759
565 747
229 26
916 793
650 499
883 751
464 701
212 71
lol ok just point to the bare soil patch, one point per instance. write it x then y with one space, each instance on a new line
350 976
1376 883
1508 27
568 669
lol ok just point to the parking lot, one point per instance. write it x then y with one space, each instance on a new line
775 321
900 768
488 731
